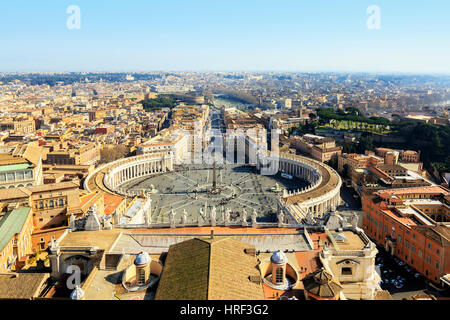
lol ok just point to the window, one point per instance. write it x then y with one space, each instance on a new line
41 205
414 235
407 244
413 248
29 174
61 202
437 251
51 204
437 265
428 259
20 175
141 276
346 271
399 239
279 275
420 253
429 246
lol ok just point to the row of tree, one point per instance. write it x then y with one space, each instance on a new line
351 114
432 141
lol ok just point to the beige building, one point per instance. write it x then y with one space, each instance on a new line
50 203
357 161
319 148
350 258
21 167
76 154
22 126
177 142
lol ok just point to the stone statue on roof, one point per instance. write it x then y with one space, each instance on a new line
72 225
227 215
183 217
309 218
213 216
172 218
354 220
254 215
335 221
281 217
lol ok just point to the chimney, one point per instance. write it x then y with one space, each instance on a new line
212 233
250 251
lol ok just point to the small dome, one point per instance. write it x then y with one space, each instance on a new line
322 276
278 257
142 258
77 293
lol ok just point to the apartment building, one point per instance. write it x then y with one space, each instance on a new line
412 224
75 154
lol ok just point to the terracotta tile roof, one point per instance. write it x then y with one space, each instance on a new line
206 269
111 202
404 220
217 230
14 193
54 186
21 285
422 190
7 159
33 154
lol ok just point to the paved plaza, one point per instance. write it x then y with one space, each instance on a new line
189 187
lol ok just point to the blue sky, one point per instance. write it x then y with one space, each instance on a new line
232 35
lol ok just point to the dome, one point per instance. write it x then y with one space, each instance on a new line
142 258
278 257
322 276
77 293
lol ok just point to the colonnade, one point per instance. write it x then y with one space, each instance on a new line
124 170
314 172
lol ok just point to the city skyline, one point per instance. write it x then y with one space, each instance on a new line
199 36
